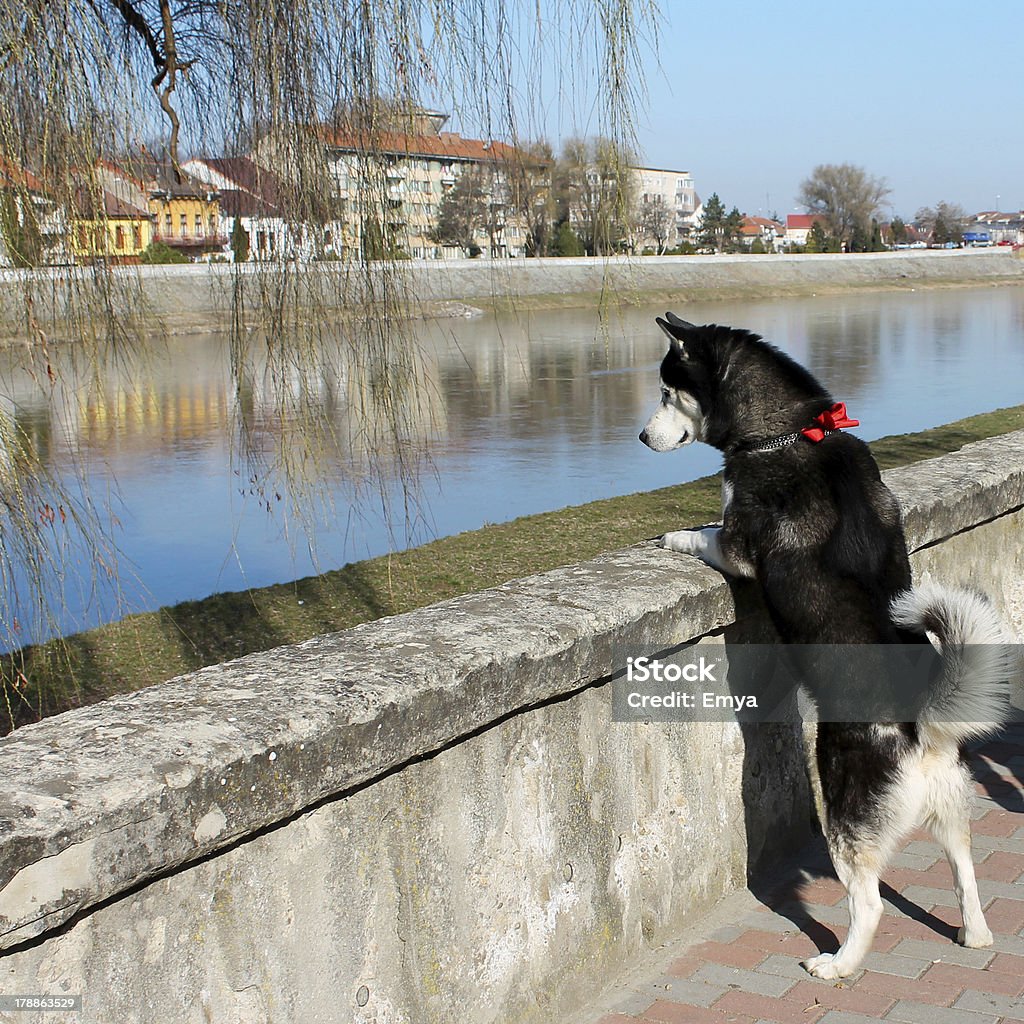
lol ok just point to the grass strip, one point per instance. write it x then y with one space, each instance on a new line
151 647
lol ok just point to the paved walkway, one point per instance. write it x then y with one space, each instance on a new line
745 966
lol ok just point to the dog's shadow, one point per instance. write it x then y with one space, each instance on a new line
1003 782
786 896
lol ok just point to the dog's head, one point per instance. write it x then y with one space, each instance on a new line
687 385
727 387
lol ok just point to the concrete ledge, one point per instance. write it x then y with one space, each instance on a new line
98 800
206 291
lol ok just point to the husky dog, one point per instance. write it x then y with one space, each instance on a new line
806 515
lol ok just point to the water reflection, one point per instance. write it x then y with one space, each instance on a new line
490 418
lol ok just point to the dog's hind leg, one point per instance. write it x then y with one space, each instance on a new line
858 866
949 820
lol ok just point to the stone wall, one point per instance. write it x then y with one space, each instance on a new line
431 817
193 298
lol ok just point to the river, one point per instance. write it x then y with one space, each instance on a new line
510 415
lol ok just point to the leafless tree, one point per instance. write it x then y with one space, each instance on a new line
945 222
846 196
657 222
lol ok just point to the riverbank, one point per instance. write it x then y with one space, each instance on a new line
149 648
192 299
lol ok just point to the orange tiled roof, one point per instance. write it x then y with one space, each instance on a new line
12 176
444 145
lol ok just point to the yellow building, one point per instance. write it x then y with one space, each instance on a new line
118 234
186 213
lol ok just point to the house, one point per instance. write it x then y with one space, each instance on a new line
767 230
33 225
255 199
106 227
798 226
664 194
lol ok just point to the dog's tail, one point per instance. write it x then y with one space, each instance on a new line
971 697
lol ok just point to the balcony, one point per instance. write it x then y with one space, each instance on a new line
203 240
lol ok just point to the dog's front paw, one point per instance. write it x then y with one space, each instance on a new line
826 966
686 542
976 938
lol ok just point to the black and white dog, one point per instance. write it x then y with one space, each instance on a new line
806 515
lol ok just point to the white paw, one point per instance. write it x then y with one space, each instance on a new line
826 966
686 542
975 938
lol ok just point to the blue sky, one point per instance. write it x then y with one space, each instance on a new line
929 95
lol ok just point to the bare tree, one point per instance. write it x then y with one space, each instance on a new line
846 196
596 190
657 222
945 222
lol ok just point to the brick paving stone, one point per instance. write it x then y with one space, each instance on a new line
1008 1007
734 954
749 981
680 1013
629 1003
844 1017
988 889
796 943
915 861
784 966
997 823
828 891
1001 866
812 991
907 988
684 966
1007 963
971 978
781 1011
921 848
946 952
1007 844
909 928
930 896
921 1013
1005 915
684 990
903 966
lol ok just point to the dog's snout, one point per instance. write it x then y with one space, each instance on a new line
644 437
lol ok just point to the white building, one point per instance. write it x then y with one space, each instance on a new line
254 197
658 188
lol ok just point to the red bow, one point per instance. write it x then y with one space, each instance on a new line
831 419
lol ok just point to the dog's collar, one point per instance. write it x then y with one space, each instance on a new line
831 421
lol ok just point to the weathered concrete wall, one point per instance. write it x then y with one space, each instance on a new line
431 817
205 291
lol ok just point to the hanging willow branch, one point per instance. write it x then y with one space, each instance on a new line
90 84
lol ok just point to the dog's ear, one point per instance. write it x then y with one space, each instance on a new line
677 331
683 325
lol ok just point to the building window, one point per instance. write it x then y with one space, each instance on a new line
183 225
119 237
167 224
199 225
136 236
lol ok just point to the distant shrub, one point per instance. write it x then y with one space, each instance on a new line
160 252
